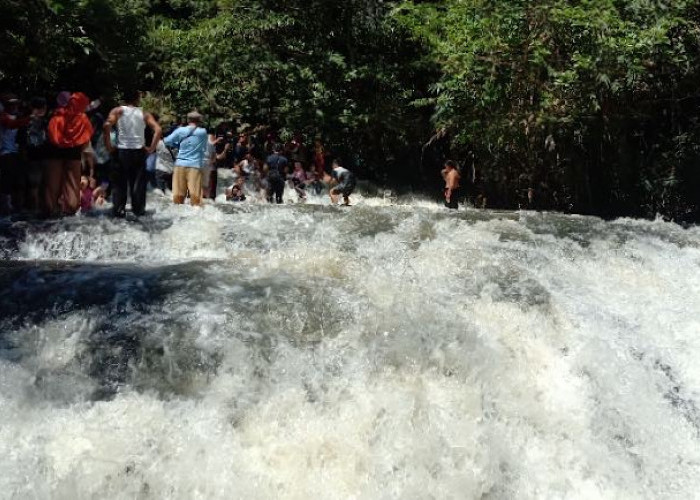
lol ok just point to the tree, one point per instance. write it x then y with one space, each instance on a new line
89 45
343 70
585 102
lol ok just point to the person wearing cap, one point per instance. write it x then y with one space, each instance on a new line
11 172
129 170
192 141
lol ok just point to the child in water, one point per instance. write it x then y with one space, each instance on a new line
86 192
235 192
298 180
315 184
99 193
90 194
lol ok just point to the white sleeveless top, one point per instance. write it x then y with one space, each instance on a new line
130 129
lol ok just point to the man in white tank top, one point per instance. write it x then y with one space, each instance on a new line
129 167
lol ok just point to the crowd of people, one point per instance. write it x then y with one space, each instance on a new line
70 157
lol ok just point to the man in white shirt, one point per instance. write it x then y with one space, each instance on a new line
130 167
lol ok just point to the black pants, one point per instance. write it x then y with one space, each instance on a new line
213 181
11 173
453 202
151 178
164 181
103 171
129 171
276 189
13 179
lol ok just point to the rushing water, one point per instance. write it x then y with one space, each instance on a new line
378 352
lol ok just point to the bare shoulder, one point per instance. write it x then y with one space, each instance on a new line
116 112
149 119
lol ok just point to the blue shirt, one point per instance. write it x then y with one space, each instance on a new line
8 139
191 144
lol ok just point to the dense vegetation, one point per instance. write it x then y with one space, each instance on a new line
590 105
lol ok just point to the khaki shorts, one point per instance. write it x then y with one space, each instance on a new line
187 179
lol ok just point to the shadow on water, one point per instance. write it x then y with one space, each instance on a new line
123 305
142 327
34 292
675 396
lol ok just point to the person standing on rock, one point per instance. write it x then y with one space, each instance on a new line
11 168
129 169
69 132
278 166
451 175
191 141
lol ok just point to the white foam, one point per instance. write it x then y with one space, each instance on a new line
390 352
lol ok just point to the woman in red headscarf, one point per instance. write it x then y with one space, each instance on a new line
70 131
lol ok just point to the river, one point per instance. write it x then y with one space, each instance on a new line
386 351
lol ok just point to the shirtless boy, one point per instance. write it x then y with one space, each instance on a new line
452 178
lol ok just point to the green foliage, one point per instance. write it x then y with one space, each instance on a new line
91 45
591 103
342 70
587 102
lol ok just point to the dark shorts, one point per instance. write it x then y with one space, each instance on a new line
453 202
345 188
